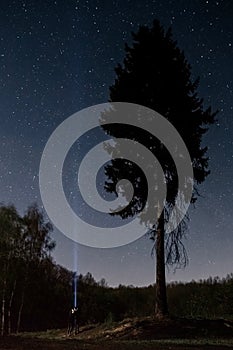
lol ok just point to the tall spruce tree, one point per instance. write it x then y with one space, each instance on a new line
156 74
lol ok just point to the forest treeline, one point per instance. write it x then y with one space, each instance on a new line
37 294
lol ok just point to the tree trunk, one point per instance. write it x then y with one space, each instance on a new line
3 307
22 298
20 310
4 295
9 307
161 308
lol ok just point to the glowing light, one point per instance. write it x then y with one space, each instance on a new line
75 279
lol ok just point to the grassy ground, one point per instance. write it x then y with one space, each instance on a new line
19 343
131 334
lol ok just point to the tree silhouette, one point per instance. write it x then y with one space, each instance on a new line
156 74
37 247
10 246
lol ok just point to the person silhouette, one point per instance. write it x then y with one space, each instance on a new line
73 324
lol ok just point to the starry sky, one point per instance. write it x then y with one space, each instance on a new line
58 57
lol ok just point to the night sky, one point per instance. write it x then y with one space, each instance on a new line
58 57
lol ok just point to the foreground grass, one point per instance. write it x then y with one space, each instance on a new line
59 336
40 343
131 334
